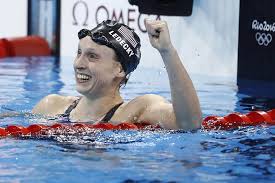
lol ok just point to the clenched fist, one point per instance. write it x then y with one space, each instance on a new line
158 35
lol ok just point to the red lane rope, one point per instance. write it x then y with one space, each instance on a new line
230 121
235 120
24 46
36 129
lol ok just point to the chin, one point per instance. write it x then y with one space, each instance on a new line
84 90
81 90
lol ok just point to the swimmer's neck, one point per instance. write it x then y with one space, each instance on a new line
99 106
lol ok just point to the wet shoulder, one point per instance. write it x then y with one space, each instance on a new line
132 110
53 104
144 100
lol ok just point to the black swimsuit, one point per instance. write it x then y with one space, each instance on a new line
66 116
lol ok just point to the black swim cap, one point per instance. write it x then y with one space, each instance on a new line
119 37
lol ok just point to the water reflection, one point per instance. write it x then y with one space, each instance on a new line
255 95
243 155
26 80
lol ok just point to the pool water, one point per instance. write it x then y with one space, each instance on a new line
242 155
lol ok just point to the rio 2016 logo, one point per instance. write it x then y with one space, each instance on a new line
81 14
263 38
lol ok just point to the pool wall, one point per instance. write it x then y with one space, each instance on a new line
206 41
219 38
13 18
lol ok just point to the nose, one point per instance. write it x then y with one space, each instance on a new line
79 63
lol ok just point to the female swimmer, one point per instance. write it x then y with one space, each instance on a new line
106 56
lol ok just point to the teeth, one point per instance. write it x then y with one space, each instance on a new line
83 76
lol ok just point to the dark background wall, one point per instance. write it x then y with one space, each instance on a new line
256 51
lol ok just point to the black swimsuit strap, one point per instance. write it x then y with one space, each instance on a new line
106 118
70 108
110 113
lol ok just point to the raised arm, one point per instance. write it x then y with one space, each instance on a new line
185 101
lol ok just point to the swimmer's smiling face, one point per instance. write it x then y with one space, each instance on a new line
96 70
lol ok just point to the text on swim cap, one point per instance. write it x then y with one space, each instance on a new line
124 45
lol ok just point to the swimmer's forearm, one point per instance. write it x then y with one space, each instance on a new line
184 97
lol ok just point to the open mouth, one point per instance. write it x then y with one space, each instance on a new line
83 77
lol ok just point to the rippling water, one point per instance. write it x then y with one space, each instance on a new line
242 155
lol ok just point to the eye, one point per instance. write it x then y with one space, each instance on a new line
92 56
79 52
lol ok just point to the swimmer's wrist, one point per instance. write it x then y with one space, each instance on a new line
170 50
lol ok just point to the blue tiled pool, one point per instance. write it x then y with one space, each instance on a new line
243 155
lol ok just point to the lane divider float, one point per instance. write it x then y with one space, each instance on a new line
228 122
236 120
24 47
38 129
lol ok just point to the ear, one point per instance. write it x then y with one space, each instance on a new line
119 72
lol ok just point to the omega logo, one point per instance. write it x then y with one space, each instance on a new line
86 11
81 15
